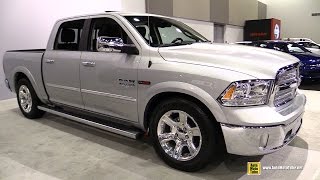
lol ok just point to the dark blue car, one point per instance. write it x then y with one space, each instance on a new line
310 62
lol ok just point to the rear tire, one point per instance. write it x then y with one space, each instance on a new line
28 100
189 144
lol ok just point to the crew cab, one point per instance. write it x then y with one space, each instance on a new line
143 74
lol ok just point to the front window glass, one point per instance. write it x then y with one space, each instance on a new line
106 27
164 32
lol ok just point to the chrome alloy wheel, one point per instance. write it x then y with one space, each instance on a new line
25 98
179 135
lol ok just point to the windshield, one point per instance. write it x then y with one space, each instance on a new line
164 32
296 48
309 45
289 47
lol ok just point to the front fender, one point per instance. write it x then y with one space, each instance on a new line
184 88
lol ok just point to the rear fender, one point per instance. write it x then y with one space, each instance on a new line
27 73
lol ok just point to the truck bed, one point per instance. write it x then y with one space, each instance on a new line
28 62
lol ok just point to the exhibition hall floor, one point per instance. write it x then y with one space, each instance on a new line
56 148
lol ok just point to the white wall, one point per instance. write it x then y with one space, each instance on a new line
138 6
204 28
233 34
295 16
193 9
264 1
242 10
27 24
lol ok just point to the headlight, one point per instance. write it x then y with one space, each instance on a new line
246 93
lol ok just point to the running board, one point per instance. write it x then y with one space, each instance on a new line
130 133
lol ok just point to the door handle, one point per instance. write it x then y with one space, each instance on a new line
88 63
50 61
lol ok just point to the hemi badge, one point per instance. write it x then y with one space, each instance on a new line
144 82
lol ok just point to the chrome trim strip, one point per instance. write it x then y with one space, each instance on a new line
132 135
250 127
126 98
63 87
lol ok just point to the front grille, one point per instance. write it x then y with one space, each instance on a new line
287 82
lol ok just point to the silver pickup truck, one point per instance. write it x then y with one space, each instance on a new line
141 74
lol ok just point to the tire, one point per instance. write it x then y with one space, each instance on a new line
204 144
28 100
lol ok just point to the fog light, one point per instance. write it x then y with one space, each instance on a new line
263 141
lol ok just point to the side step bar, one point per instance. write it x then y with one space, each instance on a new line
116 130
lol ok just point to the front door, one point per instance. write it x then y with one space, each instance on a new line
109 79
61 65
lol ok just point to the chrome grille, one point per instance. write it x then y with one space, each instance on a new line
287 82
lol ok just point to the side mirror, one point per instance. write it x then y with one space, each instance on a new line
115 44
130 49
109 44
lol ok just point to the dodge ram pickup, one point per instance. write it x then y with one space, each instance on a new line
143 74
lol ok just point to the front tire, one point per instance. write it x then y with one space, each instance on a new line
28 100
183 134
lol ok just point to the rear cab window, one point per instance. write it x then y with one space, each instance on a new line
69 35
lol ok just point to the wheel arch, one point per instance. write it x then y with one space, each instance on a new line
22 72
18 76
181 90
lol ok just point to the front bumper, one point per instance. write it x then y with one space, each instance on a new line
264 139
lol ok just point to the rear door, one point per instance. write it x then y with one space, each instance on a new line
61 65
109 79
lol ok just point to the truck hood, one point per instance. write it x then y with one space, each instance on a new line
257 62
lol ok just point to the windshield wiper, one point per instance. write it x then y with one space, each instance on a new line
177 44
